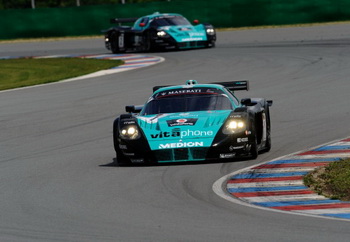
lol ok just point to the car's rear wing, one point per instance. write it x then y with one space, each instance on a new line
123 20
235 85
232 86
158 87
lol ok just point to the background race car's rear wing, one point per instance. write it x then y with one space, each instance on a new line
122 20
235 85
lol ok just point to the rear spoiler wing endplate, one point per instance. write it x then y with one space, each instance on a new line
235 85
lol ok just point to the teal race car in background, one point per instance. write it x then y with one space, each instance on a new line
193 122
158 32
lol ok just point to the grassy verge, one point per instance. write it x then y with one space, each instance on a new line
332 181
24 72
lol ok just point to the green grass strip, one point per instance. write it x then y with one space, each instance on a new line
331 181
24 72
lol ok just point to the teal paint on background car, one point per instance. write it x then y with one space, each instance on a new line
191 123
159 31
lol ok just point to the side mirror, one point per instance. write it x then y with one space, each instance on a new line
246 101
269 102
196 21
133 109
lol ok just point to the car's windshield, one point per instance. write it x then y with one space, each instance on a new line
187 103
170 21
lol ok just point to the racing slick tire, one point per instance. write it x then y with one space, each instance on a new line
268 129
210 44
147 42
120 157
254 152
268 144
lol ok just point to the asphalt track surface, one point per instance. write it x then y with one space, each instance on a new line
56 178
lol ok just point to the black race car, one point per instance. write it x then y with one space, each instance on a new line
193 122
158 32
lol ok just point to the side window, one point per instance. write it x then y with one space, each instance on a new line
234 98
141 23
144 22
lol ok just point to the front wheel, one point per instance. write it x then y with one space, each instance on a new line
147 42
268 144
254 149
210 44
120 157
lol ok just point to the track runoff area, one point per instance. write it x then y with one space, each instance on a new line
131 61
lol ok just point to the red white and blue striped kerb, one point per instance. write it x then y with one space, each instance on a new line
278 184
130 60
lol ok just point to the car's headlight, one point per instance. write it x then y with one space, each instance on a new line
161 33
234 126
210 31
130 132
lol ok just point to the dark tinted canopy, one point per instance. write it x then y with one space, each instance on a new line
169 21
187 103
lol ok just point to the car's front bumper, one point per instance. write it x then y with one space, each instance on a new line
138 151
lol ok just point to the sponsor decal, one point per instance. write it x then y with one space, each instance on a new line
137 39
182 122
225 156
182 134
192 39
129 122
186 29
129 154
264 127
187 89
121 41
173 133
196 34
137 160
181 91
180 115
240 140
181 145
153 120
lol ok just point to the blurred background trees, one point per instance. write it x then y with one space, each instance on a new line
16 4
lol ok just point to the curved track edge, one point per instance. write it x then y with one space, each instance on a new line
131 61
277 185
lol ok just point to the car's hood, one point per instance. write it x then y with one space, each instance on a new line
185 33
176 130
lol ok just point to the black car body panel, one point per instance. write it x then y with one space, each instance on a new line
158 32
225 129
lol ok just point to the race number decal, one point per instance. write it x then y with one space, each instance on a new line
121 40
